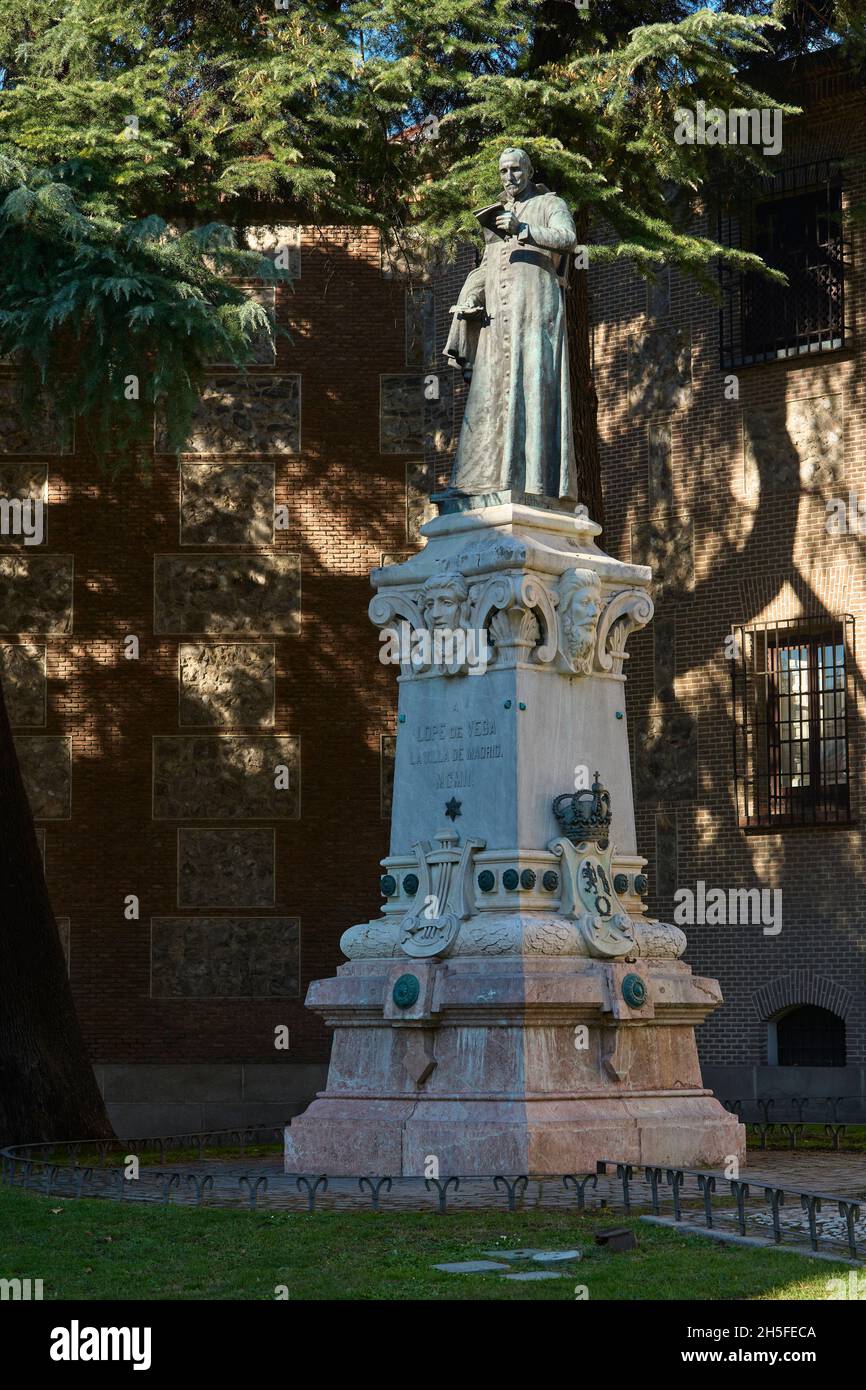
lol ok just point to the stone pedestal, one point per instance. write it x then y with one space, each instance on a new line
513 1009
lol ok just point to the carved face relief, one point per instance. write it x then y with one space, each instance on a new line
579 607
443 601
442 611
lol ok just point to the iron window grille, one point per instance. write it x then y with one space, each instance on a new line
810 1037
791 695
794 225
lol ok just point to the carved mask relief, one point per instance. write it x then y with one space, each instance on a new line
579 606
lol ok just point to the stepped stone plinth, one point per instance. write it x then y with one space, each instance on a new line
513 1009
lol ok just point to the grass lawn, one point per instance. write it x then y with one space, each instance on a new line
100 1249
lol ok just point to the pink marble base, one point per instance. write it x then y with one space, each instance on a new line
483 1074
476 1138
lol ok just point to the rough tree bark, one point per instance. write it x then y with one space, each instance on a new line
584 399
47 1086
557 29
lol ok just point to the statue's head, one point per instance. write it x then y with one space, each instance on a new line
515 171
443 601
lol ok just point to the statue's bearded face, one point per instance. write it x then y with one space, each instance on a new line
515 171
580 605
582 613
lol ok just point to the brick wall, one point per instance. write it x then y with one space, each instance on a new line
278 667
729 545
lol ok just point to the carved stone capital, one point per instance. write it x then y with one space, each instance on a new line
509 617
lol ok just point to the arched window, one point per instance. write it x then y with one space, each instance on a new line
807 1036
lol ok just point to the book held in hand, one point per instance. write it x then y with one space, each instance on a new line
487 217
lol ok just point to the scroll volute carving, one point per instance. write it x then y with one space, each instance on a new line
625 611
567 621
388 609
521 614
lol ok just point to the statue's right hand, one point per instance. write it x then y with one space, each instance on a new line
469 307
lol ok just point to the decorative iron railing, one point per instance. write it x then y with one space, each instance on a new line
660 1179
833 1116
83 1168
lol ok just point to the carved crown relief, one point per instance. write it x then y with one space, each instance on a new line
511 619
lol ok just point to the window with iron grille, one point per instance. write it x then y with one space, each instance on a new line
791 737
810 1037
795 226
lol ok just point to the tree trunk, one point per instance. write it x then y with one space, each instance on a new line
584 400
47 1087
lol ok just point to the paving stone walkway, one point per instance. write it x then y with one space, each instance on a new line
844 1173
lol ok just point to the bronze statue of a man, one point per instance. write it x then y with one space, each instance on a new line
508 331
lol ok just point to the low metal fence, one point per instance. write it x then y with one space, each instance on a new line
789 1116
765 1197
186 1170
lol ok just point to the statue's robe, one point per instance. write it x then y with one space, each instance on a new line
517 431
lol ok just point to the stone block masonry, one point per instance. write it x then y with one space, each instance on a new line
227 777
225 868
22 671
227 683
